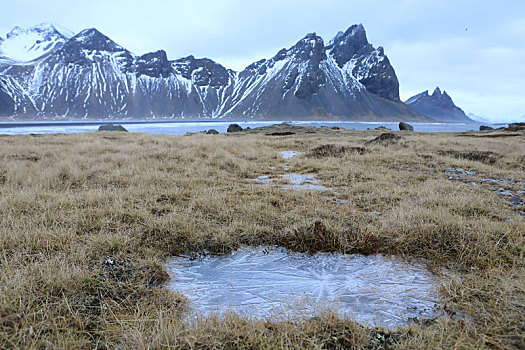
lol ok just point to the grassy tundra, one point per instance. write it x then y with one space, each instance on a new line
88 220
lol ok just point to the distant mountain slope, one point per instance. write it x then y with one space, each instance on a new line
90 76
438 106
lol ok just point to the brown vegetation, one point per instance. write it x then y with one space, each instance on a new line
88 221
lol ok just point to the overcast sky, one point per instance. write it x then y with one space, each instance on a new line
473 49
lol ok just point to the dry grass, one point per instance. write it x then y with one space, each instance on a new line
68 202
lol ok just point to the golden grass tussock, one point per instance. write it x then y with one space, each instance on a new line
89 220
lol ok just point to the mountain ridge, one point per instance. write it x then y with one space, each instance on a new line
90 76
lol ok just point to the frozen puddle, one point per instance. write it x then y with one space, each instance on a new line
289 154
302 182
259 282
296 181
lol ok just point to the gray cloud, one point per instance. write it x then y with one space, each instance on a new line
475 50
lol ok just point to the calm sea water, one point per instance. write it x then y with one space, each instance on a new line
181 127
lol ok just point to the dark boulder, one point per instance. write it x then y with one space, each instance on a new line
405 127
234 128
112 127
485 128
212 132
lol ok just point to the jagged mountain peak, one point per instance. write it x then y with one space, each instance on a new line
350 44
153 64
88 46
441 97
310 48
438 106
353 30
93 39
352 51
157 55
202 71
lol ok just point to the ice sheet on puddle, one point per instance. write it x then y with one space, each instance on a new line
302 182
297 181
289 154
257 282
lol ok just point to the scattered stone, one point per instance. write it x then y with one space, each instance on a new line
376 213
112 127
485 128
405 127
522 213
212 132
382 128
385 139
516 199
234 128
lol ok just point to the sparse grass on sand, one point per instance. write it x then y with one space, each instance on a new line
88 221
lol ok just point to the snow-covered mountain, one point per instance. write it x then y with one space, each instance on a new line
27 44
90 76
438 106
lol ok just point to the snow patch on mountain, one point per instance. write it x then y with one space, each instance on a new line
27 44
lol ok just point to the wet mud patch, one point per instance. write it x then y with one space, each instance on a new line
264 282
